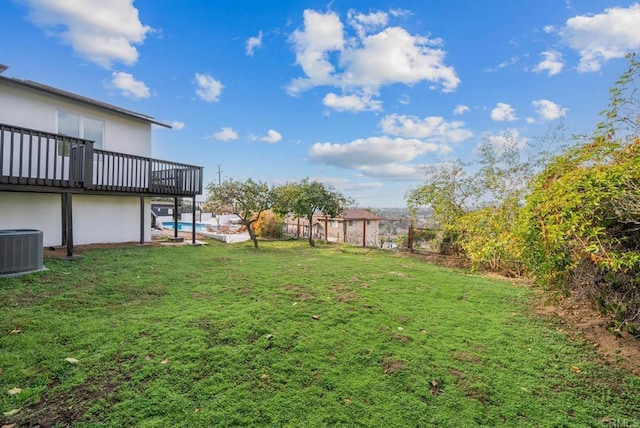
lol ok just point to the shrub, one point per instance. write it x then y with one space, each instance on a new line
489 240
269 225
581 226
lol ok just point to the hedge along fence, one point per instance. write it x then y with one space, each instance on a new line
581 227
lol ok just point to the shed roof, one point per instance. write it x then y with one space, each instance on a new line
354 214
359 214
82 99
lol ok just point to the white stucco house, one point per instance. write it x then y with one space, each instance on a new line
79 169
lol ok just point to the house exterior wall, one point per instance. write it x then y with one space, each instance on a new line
28 108
109 219
338 229
96 219
40 211
355 232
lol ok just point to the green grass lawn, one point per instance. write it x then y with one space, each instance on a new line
224 335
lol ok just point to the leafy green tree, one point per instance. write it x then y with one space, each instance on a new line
477 205
246 199
305 198
449 190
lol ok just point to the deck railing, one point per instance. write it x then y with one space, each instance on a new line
37 158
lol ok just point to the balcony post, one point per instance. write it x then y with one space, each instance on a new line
150 175
87 159
175 218
193 221
68 213
142 219
63 222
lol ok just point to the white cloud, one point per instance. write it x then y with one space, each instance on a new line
548 110
607 35
552 63
226 134
431 127
513 60
354 103
253 43
271 137
177 125
209 89
100 31
361 63
394 171
129 86
395 56
401 13
503 112
364 24
510 138
323 33
346 184
460 109
404 99
370 151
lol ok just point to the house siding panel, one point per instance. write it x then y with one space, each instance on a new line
95 218
108 219
33 211
28 108
35 160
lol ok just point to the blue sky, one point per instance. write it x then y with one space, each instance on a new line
358 95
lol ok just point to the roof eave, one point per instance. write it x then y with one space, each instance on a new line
85 100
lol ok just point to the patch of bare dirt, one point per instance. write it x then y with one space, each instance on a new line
443 260
61 251
299 292
580 318
390 366
66 408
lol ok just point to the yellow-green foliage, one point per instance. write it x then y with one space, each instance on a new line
579 226
477 212
269 225
489 240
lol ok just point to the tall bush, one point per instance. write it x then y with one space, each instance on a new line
269 225
477 211
581 226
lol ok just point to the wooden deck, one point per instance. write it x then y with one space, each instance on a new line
32 160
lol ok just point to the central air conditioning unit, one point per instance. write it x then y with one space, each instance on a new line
21 251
